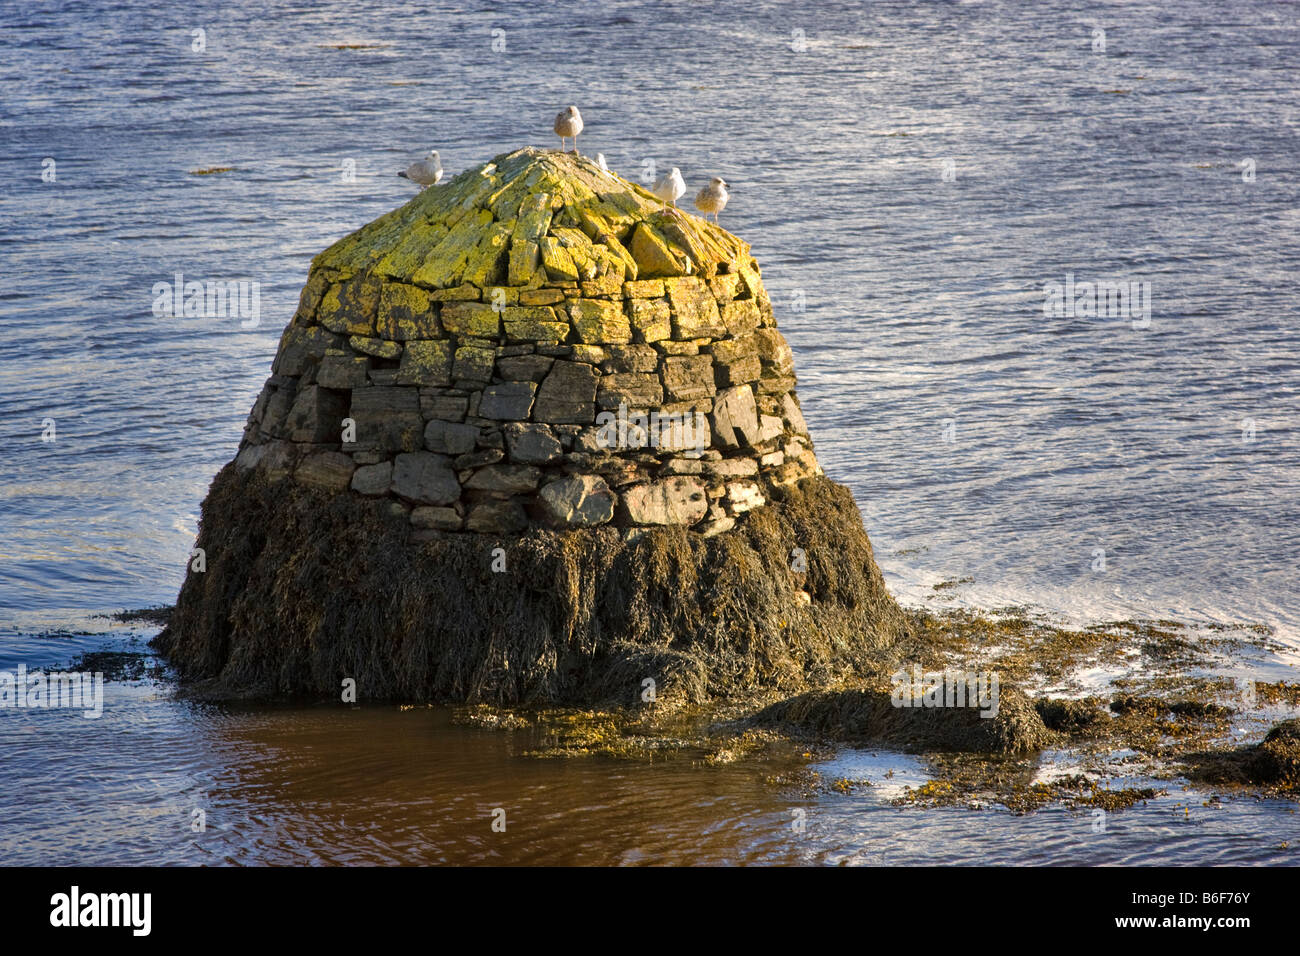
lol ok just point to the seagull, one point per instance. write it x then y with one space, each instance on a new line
568 123
713 197
426 172
670 187
600 161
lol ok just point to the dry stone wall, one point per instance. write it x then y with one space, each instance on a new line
535 343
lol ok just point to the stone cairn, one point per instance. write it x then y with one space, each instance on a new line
535 343
530 438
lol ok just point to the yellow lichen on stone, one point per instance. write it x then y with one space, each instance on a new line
487 263
534 218
349 307
412 249
524 258
536 323
425 362
446 262
599 218
599 322
405 312
620 251
579 248
558 263
652 254
531 218
476 319
379 348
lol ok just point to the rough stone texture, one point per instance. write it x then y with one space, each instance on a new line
598 321
387 418
510 401
439 519
634 389
695 311
449 438
677 500
510 479
531 444
405 312
446 408
743 496
473 363
567 395
536 324
425 363
316 415
476 319
524 368
577 501
328 470
794 415
688 377
424 478
735 417
651 318
341 370
373 479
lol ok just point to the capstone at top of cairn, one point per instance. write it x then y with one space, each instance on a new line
535 342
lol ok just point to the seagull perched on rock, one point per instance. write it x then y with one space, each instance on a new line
713 197
670 187
600 161
426 172
568 123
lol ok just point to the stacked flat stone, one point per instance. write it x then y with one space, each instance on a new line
459 355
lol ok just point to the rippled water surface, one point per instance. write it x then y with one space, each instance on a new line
983 440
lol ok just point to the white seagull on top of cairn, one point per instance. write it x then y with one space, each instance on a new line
713 197
670 187
568 123
426 172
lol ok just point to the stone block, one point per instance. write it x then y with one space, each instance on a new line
316 415
423 478
531 444
449 438
510 401
425 362
326 470
695 311
735 417
688 377
567 395
387 418
669 501
577 501
373 480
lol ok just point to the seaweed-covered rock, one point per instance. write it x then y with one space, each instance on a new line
1274 762
306 588
1277 758
871 716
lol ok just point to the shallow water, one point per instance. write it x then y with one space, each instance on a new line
912 304
381 785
